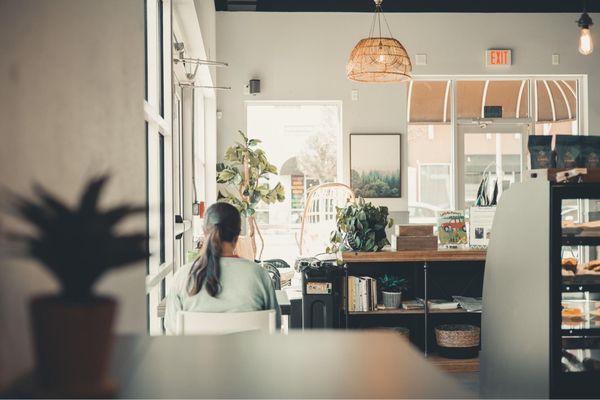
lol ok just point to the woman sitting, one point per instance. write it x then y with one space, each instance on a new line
218 281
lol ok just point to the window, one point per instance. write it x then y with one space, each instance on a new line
176 149
453 143
498 155
302 141
430 141
159 156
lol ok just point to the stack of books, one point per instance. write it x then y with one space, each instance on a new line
439 304
433 304
362 293
414 237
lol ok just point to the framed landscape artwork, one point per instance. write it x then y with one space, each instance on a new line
375 167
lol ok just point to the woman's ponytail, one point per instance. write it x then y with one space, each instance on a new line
222 224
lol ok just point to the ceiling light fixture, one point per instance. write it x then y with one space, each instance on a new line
379 59
586 44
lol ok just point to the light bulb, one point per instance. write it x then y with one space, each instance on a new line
586 45
381 58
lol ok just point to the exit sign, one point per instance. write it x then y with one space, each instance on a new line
498 57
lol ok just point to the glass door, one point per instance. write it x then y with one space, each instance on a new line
493 148
574 294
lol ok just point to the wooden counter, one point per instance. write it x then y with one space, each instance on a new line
414 256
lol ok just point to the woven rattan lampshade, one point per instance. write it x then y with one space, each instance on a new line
379 59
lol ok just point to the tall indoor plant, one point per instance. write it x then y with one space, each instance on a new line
72 330
245 175
360 227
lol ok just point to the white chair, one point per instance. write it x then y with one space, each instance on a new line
200 323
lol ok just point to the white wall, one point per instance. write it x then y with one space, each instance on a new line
72 79
302 56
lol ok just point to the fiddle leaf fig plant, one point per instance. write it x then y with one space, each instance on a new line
245 178
360 227
245 174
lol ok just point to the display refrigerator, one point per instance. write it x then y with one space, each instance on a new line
541 293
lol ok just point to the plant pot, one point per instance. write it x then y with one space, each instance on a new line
73 343
391 299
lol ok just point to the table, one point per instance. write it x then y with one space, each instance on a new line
312 364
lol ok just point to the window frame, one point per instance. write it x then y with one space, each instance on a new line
174 171
159 164
458 125
340 153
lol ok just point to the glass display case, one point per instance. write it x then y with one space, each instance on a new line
574 291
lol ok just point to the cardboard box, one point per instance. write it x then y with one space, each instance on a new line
414 230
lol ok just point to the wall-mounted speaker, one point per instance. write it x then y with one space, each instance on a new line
254 86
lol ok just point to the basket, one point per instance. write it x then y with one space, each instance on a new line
458 340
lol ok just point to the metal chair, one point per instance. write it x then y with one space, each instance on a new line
273 273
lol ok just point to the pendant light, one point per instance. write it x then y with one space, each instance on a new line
586 44
379 59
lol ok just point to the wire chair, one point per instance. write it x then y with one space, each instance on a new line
319 216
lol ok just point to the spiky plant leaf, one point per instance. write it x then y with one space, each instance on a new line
78 244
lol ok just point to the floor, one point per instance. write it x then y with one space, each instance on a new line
468 379
465 371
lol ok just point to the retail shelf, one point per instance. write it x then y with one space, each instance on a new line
581 240
580 332
394 311
581 283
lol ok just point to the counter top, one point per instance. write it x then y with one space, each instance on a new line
312 364
414 256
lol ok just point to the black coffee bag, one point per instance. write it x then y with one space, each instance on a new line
540 152
567 151
590 151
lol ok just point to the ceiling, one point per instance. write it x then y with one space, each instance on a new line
485 6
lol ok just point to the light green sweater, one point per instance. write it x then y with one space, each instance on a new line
245 286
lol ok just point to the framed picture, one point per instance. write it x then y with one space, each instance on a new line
375 165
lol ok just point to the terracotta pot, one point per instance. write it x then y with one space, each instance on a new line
73 343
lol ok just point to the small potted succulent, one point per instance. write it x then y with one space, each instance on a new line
360 227
391 290
72 330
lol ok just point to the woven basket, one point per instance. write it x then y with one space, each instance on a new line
457 335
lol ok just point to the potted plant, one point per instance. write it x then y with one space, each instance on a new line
360 227
391 290
245 175
72 330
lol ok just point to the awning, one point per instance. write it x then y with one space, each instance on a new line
557 100
430 101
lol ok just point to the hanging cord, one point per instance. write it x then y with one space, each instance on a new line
372 24
378 12
388 26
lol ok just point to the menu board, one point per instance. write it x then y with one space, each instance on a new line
297 191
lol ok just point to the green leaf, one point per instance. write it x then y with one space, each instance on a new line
254 142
